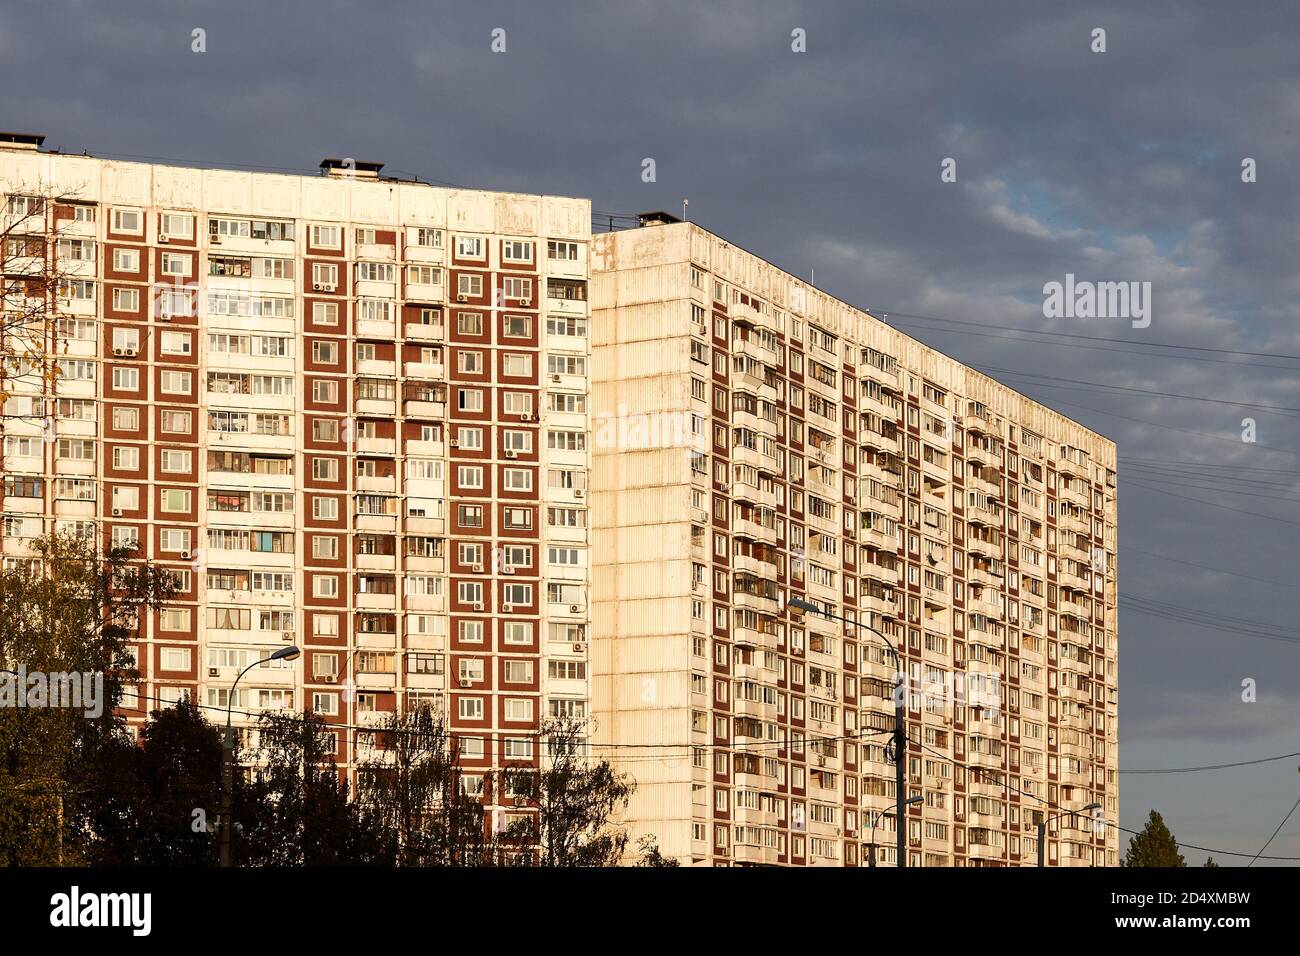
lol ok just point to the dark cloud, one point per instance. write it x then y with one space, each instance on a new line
1122 165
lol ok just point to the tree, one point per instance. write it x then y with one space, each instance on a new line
296 810
1210 864
411 791
1154 846
158 803
68 617
650 855
576 802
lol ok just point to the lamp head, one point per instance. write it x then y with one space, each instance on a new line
803 605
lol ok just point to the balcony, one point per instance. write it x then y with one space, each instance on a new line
382 329
1079 496
1068 579
377 368
751 348
431 371
419 332
754 855
376 446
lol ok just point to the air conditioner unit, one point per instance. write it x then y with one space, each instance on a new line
525 301
117 512
478 569
555 378
214 672
466 682
507 607
462 297
579 647
511 453
478 606
214 240
317 287
508 569
286 635
328 678
574 608
327 286
579 493
163 240
455 443
164 318
119 351
185 555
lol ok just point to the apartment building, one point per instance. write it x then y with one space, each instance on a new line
758 440
349 412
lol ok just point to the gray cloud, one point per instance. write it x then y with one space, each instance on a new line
1123 165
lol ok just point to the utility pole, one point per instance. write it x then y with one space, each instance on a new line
900 729
900 755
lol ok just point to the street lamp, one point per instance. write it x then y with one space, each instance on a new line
900 717
1042 827
228 750
875 819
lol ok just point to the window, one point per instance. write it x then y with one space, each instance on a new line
469 247
175 500
177 264
517 365
127 418
126 379
325 313
126 300
176 343
175 461
178 225
172 382
428 238
469 399
517 287
517 250
469 323
469 285
518 479
562 251
326 237
128 220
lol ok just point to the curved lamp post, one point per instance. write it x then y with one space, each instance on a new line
228 749
875 819
1042 827
900 717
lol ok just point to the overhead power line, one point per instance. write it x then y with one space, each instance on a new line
1089 338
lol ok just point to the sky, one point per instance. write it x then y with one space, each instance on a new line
1117 165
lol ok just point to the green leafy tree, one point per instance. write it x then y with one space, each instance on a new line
296 809
69 610
411 792
1154 846
158 803
576 802
650 855
1210 864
